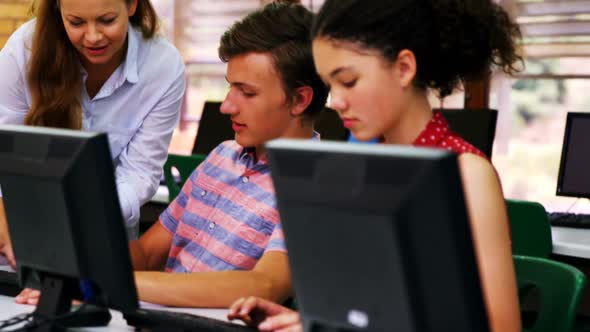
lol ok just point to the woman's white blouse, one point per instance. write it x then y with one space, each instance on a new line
138 107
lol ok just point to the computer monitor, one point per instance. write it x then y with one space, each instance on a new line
573 179
378 237
64 218
330 127
476 126
215 127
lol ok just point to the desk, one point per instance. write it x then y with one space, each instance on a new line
150 211
572 242
161 195
567 241
10 309
572 246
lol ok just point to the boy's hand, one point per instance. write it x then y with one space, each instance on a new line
28 296
265 315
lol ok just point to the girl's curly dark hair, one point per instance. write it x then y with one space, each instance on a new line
453 40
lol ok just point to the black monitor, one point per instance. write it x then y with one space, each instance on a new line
64 218
214 128
330 127
476 126
378 237
573 179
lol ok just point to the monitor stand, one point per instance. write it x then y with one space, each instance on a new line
55 304
316 326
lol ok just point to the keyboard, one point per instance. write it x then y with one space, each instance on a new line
9 283
160 320
565 219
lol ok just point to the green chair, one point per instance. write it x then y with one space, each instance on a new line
530 228
185 166
559 287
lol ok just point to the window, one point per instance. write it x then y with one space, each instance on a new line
533 105
195 26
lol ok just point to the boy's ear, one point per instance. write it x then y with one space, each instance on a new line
301 100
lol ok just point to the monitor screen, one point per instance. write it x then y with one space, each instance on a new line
476 126
573 179
64 217
214 128
378 237
330 127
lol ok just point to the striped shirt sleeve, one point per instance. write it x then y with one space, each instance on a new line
277 240
173 213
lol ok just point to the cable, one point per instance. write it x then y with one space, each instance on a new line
15 320
574 203
36 320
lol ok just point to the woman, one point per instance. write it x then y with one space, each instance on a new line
380 58
97 65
